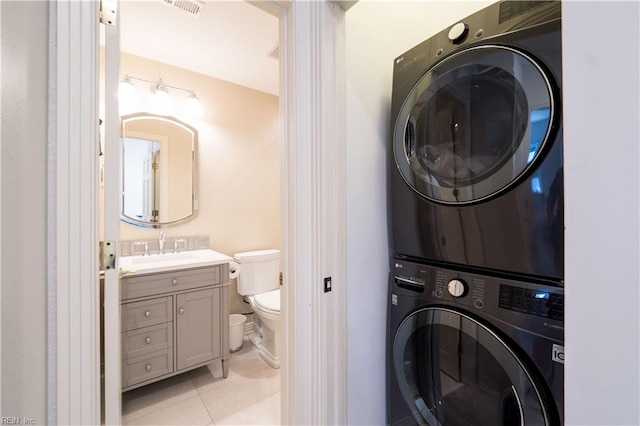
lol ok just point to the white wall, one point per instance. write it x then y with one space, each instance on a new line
601 46
23 39
376 33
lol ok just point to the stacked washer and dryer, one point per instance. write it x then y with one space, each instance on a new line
476 299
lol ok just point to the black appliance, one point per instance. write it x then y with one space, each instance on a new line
472 349
476 173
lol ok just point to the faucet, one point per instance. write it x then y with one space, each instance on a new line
161 243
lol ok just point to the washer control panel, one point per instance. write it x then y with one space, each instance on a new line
439 283
480 292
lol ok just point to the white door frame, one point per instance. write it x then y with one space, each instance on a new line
312 109
313 131
72 231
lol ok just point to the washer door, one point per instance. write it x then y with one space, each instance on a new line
454 371
473 124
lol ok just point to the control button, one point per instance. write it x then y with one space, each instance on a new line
438 293
478 303
439 52
479 33
457 288
458 32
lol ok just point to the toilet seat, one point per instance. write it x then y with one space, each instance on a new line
268 302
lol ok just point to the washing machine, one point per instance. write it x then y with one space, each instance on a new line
471 349
476 164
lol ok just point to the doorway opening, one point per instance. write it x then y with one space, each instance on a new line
237 174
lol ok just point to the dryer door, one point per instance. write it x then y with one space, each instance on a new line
473 124
454 371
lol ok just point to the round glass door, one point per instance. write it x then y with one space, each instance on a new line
473 124
453 371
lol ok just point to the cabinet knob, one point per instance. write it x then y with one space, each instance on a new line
147 314
147 340
181 311
148 367
174 281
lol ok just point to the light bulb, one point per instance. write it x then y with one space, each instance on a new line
160 102
192 106
127 93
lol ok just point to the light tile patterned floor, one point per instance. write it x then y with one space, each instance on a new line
250 395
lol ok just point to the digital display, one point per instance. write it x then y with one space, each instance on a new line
533 302
511 9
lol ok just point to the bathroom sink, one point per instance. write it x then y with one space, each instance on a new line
171 261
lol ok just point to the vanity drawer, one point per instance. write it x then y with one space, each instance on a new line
146 340
141 369
165 282
147 313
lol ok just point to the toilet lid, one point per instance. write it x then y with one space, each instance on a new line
269 301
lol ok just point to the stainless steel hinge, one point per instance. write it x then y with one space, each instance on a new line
108 252
109 12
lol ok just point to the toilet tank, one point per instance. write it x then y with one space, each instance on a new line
259 271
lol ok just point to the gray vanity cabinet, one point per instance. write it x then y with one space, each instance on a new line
173 322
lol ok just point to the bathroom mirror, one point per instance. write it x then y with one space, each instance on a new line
158 170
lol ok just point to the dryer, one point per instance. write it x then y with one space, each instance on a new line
476 164
471 349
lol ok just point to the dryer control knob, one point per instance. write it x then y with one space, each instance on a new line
458 32
457 288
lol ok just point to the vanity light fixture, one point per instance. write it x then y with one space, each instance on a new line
160 101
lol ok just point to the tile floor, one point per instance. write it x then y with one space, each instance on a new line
250 395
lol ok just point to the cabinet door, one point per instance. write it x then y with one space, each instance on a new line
197 327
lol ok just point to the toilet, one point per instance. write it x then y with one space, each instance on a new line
259 283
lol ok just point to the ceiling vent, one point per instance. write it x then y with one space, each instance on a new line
192 7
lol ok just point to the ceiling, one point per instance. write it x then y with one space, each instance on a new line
230 40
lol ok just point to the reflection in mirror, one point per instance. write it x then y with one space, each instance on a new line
158 170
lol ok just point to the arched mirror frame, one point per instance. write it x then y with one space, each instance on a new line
194 148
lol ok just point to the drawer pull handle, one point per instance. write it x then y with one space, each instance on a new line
174 281
147 340
181 311
147 314
148 367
